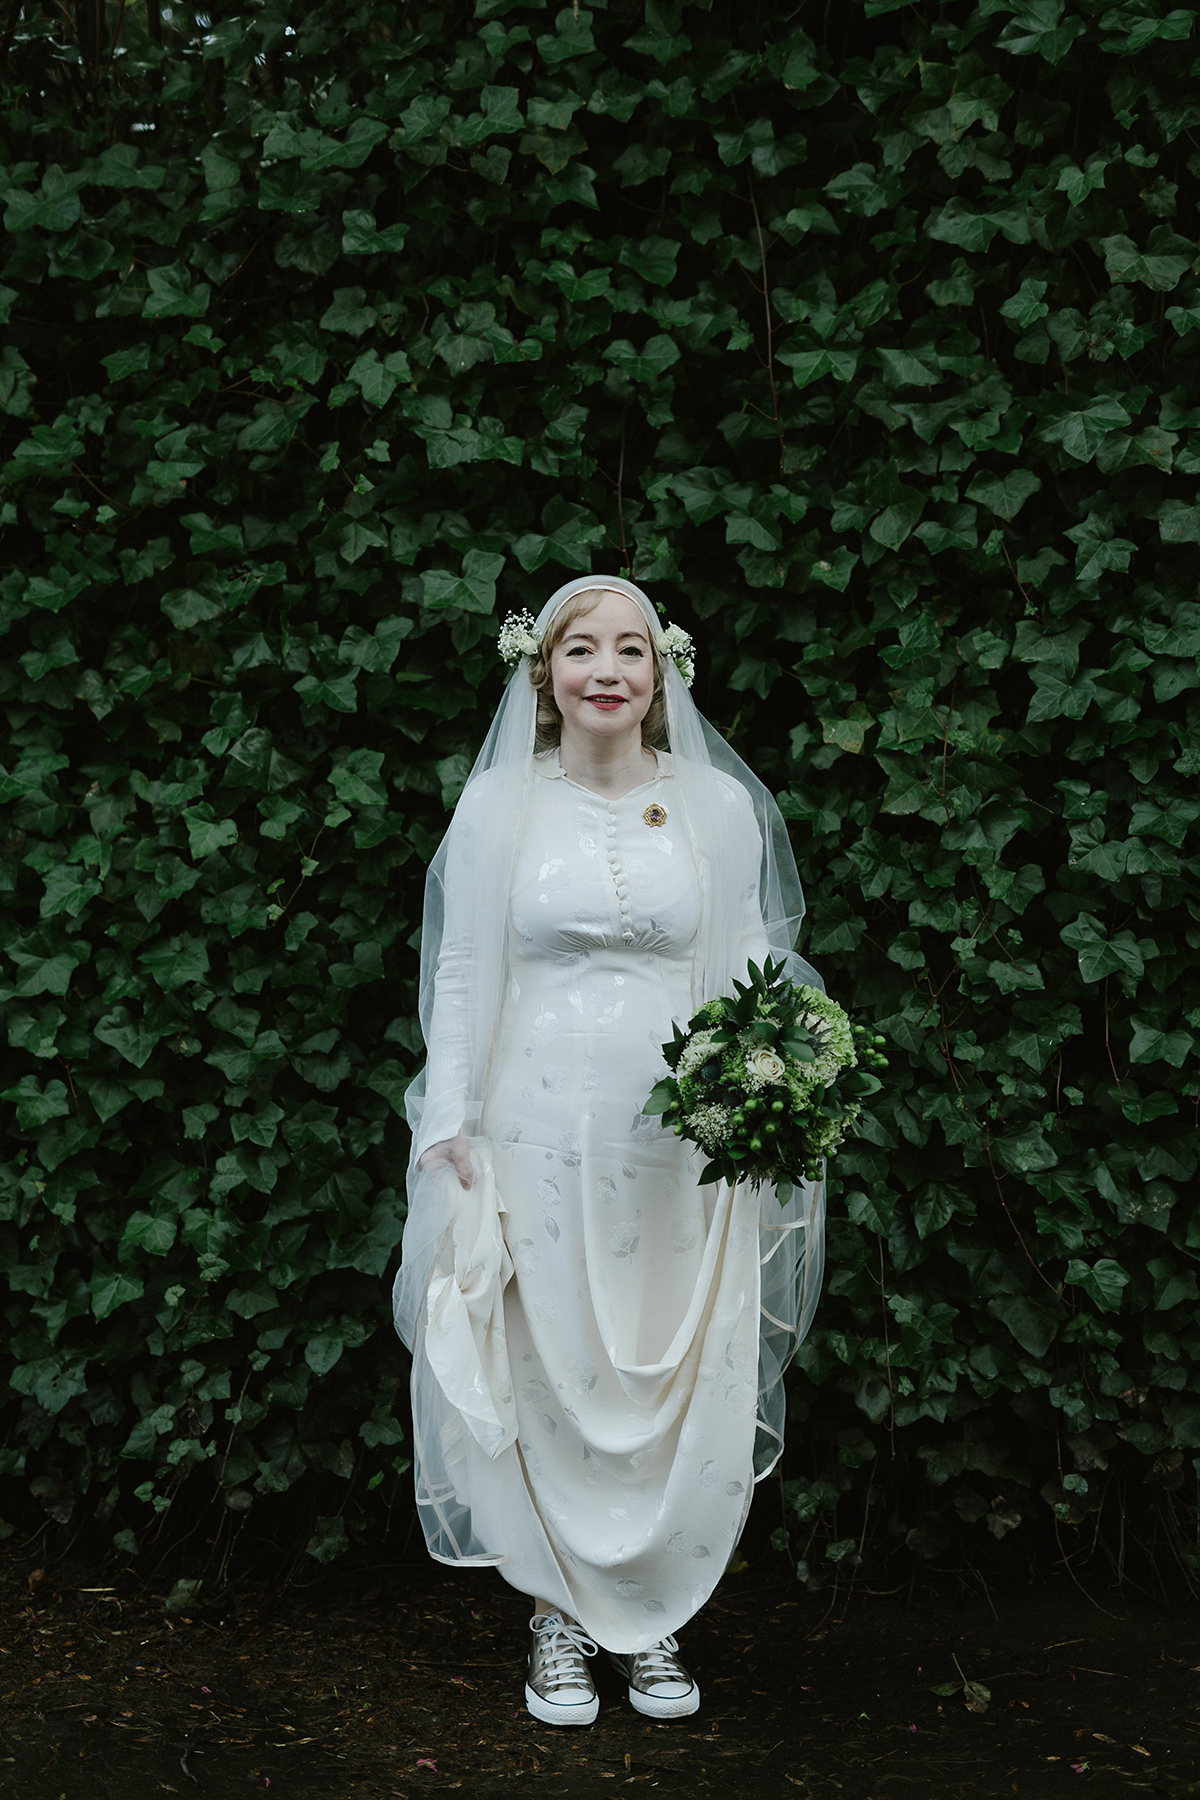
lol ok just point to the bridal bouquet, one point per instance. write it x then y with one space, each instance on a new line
767 1083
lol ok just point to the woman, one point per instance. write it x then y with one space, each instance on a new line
586 1320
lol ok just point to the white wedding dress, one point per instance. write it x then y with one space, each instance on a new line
598 1342
599 1418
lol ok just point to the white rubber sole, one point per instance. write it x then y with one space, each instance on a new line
676 1707
550 1712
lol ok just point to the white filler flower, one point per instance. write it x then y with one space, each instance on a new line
517 637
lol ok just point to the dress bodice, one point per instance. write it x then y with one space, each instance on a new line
598 874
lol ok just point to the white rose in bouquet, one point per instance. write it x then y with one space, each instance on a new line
765 1065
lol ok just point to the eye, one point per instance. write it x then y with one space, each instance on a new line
578 650
633 650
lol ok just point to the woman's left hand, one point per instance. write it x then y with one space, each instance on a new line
454 1151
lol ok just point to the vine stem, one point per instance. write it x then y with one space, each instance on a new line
762 255
887 1356
987 1144
1107 1045
621 504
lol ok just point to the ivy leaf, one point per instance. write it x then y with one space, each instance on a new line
207 833
1081 430
1104 1281
661 36
54 206
1152 1044
347 312
153 1232
188 607
171 294
180 960
377 381
362 237
472 592
1100 955
357 781
572 37
111 1288
901 368
1004 495
1032 1321
648 364
46 449
131 1038
1179 522
1125 262
1039 29
808 366
35 1105
654 260
570 533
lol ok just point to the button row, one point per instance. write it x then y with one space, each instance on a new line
614 863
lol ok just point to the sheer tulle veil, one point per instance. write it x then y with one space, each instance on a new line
792 1237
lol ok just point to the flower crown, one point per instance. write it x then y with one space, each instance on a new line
518 638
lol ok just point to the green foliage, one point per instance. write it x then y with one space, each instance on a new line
867 339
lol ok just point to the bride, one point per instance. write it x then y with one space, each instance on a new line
598 1341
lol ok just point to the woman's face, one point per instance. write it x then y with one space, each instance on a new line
603 671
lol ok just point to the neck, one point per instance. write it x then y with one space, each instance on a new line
609 766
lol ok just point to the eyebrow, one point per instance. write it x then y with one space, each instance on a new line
591 636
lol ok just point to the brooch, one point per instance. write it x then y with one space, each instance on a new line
655 815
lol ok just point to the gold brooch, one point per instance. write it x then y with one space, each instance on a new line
655 815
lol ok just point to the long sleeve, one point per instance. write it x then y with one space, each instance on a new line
451 1033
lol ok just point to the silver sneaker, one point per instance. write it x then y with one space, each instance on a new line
559 1689
659 1685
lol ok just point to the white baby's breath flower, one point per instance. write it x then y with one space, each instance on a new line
696 1054
674 642
517 637
710 1126
765 1065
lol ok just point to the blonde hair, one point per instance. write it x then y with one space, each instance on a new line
548 725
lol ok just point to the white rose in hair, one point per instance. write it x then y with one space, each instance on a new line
765 1064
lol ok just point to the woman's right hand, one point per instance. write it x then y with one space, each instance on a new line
452 1151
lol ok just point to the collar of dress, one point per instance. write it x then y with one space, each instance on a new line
549 766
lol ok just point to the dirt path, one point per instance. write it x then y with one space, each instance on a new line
412 1686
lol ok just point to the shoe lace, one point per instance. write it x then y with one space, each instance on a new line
660 1662
561 1644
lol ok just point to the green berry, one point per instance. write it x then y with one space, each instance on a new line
777 1106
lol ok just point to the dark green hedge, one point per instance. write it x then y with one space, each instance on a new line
865 335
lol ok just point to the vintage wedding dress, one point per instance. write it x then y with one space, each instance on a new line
597 1339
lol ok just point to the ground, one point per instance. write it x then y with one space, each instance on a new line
406 1681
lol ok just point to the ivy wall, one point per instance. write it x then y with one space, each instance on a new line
865 336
